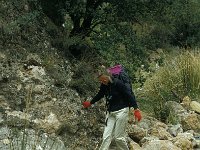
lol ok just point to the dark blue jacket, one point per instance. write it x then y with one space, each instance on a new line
118 96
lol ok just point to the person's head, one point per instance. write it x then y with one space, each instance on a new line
103 75
104 79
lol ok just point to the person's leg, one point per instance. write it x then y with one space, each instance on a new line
108 131
120 129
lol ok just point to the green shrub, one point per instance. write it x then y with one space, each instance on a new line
179 76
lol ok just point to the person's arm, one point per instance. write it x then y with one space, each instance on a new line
99 95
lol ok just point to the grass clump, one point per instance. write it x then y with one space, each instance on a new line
179 76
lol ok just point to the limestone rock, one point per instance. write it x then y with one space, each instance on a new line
50 124
147 122
184 144
186 102
184 141
161 133
160 125
136 133
147 139
160 145
175 129
28 139
191 122
33 59
197 142
134 146
175 107
2 56
195 106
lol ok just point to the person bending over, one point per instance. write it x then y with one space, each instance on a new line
119 100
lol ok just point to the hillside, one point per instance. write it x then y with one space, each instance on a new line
40 110
34 80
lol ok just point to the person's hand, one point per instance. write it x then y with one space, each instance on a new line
137 114
86 104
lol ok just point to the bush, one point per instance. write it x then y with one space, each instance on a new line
178 77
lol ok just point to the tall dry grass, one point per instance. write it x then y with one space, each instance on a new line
178 77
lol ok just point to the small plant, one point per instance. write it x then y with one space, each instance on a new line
172 118
189 66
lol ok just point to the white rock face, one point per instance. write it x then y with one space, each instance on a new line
19 115
2 56
34 72
50 124
160 145
195 106
29 139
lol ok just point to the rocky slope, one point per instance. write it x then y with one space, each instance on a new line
34 82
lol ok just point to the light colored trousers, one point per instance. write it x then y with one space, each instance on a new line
115 129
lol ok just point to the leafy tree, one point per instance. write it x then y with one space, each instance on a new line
87 14
184 16
118 44
177 20
54 10
176 24
152 24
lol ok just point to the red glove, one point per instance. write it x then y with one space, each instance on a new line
137 114
86 104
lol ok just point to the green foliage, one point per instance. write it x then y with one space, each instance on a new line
54 10
144 25
190 73
86 14
172 118
179 74
154 36
138 11
183 23
171 23
167 116
118 44
21 22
